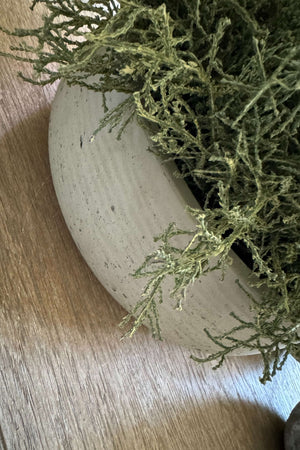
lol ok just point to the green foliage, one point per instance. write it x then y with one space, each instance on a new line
216 82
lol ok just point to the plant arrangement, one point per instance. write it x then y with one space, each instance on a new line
216 84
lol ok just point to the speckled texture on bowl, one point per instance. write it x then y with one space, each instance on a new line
115 196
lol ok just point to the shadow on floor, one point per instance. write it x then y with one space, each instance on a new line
217 425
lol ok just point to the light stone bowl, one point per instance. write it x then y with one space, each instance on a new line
116 196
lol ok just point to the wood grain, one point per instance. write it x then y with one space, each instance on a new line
66 380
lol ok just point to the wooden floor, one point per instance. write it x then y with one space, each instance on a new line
66 380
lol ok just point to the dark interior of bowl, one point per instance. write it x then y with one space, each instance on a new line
238 247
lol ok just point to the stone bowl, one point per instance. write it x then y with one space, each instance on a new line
115 196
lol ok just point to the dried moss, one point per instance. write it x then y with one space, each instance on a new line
217 84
